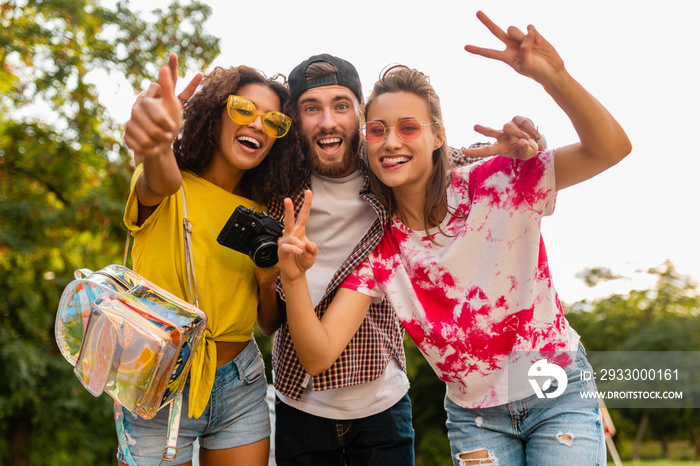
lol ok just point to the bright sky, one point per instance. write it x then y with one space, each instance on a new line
640 58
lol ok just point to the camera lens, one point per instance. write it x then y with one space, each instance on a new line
264 252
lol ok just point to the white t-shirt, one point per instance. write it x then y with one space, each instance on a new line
484 294
339 218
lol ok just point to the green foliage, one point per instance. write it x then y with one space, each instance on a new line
427 395
664 318
595 275
64 179
433 449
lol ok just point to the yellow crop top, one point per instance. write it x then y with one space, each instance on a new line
228 292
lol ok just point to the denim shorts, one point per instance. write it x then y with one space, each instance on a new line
237 414
550 431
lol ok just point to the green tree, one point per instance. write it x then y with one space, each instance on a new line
427 395
64 177
663 318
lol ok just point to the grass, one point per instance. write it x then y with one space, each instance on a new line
657 463
680 452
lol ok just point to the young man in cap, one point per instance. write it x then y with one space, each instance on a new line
357 410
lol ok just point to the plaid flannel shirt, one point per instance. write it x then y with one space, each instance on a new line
380 336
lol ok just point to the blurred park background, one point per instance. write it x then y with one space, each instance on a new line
64 177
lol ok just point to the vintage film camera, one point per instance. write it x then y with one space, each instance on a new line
252 233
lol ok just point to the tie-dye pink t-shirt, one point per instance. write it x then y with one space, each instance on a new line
485 290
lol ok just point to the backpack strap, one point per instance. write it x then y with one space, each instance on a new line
189 260
170 450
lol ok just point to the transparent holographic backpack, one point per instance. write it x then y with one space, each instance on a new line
130 338
127 337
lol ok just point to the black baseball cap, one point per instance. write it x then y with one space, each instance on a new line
346 76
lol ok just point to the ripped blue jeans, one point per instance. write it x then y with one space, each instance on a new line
543 432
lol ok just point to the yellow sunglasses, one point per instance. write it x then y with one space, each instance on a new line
243 112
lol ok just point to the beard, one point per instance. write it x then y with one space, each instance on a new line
346 165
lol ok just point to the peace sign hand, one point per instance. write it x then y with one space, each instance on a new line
528 54
519 139
296 252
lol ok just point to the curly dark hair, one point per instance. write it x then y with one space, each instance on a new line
293 157
195 145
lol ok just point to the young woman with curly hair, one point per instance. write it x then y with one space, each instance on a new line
221 150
